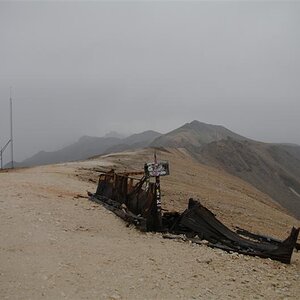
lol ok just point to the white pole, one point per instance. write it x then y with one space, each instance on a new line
11 133
1 158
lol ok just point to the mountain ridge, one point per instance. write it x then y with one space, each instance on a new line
88 146
272 168
194 134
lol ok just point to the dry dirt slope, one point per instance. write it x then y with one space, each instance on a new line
55 245
272 168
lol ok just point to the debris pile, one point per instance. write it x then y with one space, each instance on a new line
137 201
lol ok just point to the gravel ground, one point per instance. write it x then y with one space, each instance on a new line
58 245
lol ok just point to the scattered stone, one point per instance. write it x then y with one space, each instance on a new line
206 261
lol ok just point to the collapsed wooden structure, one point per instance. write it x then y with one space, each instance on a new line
135 201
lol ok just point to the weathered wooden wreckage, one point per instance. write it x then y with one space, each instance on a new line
137 201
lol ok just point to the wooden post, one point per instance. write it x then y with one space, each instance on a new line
158 195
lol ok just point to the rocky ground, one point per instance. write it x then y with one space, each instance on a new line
56 244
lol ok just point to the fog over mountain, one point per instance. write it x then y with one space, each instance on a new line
88 68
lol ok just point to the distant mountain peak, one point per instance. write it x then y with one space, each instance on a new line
196 123
114 134
195 134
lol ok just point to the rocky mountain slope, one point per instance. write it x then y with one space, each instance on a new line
194 134
271 168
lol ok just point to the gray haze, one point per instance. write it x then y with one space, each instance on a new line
86 68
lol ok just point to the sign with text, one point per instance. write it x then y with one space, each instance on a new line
157 169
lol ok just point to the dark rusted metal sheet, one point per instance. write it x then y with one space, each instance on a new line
139 198
203 222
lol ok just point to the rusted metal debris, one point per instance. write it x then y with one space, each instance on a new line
134 200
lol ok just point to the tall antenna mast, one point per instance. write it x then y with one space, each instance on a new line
11 130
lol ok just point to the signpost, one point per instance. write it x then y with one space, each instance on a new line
156 170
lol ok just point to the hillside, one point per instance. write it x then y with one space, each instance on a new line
292 149
85 147
135 141
57 244
274 169
194 134
88 146
271 168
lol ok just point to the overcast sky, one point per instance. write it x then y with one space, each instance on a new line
86 68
